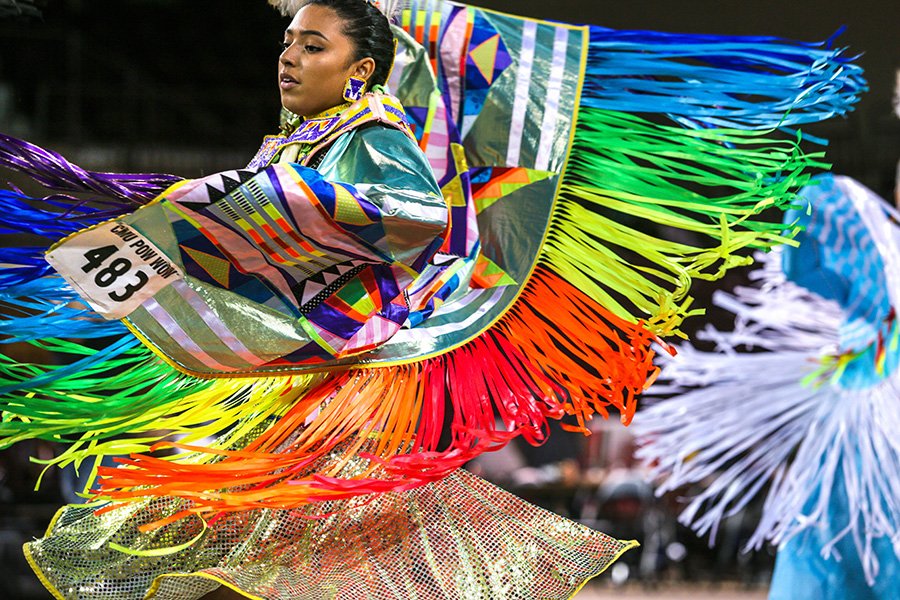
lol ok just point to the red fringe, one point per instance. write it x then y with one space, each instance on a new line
555 354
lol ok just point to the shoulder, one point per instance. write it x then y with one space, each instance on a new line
389 145
378 134
379 154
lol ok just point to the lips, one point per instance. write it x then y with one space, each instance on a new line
286 82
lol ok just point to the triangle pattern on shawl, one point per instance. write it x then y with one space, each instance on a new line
484 56
215 267
491 184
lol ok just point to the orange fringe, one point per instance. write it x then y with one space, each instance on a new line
555 354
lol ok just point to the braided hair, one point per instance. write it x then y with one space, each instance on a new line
368 30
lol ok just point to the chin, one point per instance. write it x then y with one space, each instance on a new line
292 105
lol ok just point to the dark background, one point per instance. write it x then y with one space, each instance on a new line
189 85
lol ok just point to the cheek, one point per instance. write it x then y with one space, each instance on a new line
336 71
319 70
333 79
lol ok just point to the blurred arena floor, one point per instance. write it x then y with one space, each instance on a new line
675 592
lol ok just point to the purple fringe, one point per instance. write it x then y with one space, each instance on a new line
54 172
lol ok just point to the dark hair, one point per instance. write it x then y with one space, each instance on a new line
369 31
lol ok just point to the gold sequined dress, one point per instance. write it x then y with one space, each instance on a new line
457 538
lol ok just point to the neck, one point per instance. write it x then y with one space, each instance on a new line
290 122
334 110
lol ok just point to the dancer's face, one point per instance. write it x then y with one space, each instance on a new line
316 62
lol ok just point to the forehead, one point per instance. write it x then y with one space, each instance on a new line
317 18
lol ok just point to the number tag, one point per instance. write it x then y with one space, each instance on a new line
113 267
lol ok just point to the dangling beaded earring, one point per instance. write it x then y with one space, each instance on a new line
354 89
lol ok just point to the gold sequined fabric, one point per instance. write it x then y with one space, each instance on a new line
457 538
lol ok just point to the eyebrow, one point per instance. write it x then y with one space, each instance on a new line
303 32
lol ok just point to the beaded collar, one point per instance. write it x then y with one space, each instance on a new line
316 132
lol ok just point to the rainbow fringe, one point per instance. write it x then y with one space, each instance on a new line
673 132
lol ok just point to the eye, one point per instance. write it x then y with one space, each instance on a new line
283 46
312 49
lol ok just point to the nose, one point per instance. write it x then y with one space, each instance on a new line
287 56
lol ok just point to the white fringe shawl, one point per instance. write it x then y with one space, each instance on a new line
745 423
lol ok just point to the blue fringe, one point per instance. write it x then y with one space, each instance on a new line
29 265
743 82
43 308
21 214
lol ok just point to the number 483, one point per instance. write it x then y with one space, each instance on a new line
114 269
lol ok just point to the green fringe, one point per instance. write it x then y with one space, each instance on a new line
632 185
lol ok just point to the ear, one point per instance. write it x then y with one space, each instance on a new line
364 68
